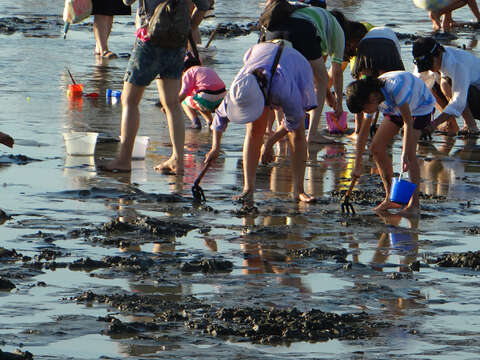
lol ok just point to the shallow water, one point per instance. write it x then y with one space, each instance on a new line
432 313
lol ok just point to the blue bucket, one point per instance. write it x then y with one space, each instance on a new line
402 191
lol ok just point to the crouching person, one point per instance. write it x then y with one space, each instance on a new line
273 76
405 101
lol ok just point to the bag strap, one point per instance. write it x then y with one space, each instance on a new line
273 70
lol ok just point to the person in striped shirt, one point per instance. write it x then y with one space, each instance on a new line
405 101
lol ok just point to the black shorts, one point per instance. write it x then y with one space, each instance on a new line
301 33
376 55
473 101
419 122
110 7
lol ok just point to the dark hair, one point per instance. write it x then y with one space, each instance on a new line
190 60
275 13
356 32
358 92
424 50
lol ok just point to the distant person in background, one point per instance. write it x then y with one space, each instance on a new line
440 11
198 13
457 86
103 12
6 139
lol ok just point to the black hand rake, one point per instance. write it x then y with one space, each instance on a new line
347 208
197 191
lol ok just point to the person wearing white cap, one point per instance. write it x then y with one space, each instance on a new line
273 76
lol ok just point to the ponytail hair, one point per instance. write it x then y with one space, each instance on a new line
359 91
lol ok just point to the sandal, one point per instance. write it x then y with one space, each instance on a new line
107 54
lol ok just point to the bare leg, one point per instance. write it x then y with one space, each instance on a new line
102 27
251 154
208 117
321 81
192 116
131 96
298 157
378 148
413 206
168 90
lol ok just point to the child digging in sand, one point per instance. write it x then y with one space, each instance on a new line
405 101
202 91
273 76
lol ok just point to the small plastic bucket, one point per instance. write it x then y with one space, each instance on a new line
75 90
80 143
140 147
402 190
334 125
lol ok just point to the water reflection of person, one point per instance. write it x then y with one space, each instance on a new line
398 241
262 257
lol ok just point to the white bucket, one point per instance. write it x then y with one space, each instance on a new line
80 143
140 147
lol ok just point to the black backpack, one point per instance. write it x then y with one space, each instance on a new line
169 25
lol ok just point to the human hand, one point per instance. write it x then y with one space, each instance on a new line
212 155
338 109
6 140
357 170
330 99
267 154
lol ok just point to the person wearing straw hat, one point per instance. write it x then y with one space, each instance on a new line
457 88
405 101
273 76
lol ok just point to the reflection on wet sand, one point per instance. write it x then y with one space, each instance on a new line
270 256
444 170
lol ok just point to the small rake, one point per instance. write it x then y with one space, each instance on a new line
347 207
197 191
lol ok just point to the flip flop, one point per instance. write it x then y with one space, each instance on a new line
107 54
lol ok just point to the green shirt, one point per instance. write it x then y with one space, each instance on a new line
328 29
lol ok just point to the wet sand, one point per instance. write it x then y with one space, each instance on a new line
128 266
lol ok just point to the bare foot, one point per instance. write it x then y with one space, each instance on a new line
245 198
450 128
267 154
115 166
305 198
171 166
387 205
320 139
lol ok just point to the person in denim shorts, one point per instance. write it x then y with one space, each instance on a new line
148 63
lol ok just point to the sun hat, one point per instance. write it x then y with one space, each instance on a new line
245 100
423 51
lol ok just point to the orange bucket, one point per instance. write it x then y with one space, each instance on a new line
75 90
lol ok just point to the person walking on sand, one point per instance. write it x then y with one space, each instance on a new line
6 139
457 88
165 65
405 101
202 91
273 76
103 12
